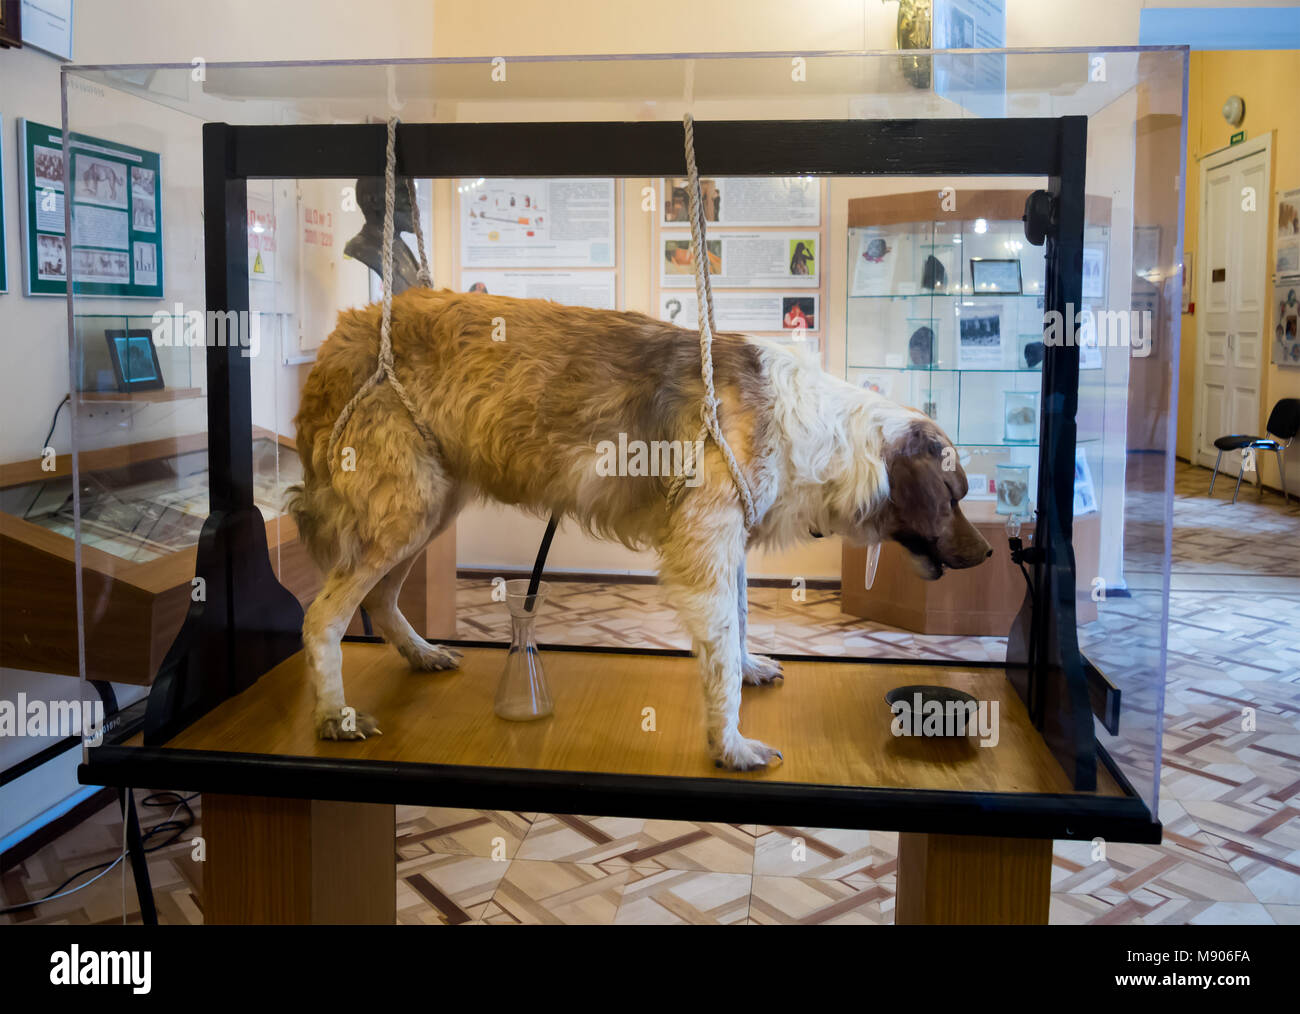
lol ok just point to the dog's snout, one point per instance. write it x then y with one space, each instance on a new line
989 553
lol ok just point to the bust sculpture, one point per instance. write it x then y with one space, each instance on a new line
367 246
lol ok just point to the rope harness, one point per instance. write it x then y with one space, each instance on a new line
709 426
385 370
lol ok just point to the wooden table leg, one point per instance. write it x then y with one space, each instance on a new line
953 879
283 861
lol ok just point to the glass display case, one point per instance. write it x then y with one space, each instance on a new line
263 170
946 316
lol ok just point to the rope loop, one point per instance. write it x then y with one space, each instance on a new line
384 370
709 426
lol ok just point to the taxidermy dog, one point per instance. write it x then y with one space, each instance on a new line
522 401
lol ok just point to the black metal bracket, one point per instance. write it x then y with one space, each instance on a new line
1040 216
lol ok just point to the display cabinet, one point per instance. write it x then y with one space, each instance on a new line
945 313
230 711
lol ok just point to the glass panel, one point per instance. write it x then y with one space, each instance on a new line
934 299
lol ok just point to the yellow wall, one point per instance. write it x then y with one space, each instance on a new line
1266 80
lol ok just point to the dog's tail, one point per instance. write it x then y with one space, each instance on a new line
343 363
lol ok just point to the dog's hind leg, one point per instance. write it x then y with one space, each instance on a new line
701 555
757 670
322 629
382 513
393 627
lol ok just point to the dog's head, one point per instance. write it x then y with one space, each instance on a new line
926 481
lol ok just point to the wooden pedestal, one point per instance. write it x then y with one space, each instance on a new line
298 861
981 601
289 860
949 879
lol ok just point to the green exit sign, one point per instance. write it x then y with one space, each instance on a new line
1237 138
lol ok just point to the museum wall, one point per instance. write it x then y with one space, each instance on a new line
33 330
33 342
1266 81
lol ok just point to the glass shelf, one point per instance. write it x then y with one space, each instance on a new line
1034 294
939 368
96 380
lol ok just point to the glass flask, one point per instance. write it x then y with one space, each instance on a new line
523 694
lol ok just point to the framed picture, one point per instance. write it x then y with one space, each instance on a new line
1094 271
11 24
1286 327
1020 417
996 277
1085 499
134 359
979 339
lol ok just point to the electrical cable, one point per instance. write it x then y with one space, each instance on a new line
158 800
55 421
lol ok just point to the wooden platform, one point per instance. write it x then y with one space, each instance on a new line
829 718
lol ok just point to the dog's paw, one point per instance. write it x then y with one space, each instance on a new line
741 754
427 657
346 723
760 671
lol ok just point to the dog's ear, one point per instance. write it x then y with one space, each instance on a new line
919 440
913 461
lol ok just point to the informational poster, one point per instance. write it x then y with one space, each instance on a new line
262 235
746 311
884 263
746 260
1286 325
570 288
116 247
976 81
47 25
1287 245
537 223
746 201
4 221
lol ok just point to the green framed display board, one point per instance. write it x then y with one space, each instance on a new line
116 247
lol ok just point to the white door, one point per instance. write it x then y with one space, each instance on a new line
1233 307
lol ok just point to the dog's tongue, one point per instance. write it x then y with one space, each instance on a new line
873 558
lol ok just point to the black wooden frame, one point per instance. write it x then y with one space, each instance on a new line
249 622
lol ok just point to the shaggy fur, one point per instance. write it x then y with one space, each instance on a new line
519 396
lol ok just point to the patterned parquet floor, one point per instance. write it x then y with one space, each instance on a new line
1229 798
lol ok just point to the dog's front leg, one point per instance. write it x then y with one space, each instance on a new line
758 670
701 557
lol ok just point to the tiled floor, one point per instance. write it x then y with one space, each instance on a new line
1230 773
